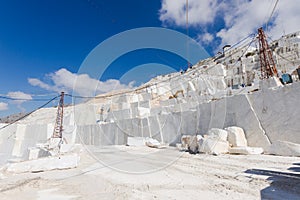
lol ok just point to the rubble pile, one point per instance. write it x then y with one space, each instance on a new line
218 141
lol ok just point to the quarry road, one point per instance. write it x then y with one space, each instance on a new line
122 172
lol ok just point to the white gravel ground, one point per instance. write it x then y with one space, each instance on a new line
120 172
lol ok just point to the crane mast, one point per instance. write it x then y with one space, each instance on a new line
267 64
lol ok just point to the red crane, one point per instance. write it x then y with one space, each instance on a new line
58 128
267 64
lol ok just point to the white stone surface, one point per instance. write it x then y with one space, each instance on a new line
45 164
212 145
150 142
284 148
277 109
188 122
124 105
218 133
143 112
246 150
106 134
136 141
120 98
265 115
236 136
68 148
69 133
35 153
269 83
217 70
191 86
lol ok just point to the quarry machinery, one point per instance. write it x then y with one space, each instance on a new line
267 64
58 128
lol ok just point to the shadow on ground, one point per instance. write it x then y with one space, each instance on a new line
284 185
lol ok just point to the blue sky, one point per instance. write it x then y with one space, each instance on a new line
45 41
41 37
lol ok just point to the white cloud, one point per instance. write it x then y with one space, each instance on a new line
287 18
200 12
241 17
37 82
82 84
205 38
19 95
3 106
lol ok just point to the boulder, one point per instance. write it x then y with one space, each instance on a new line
193 146
218 133
213 145
45 164
153 143
246 150
236 136
190 143
136 141
185 140
284 148
35 153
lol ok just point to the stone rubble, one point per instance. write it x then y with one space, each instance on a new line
236 136
44 164
219 141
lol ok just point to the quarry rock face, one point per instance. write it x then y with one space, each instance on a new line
236 136
269 83
284 148
199 100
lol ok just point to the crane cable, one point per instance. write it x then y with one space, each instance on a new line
28 114
267 24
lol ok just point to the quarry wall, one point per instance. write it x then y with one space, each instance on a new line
266 116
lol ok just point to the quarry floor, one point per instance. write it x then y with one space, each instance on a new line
122 172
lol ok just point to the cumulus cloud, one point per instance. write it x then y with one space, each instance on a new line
19 95
82 84
205 38
37 82
241 17
245 17
200 12
3 106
